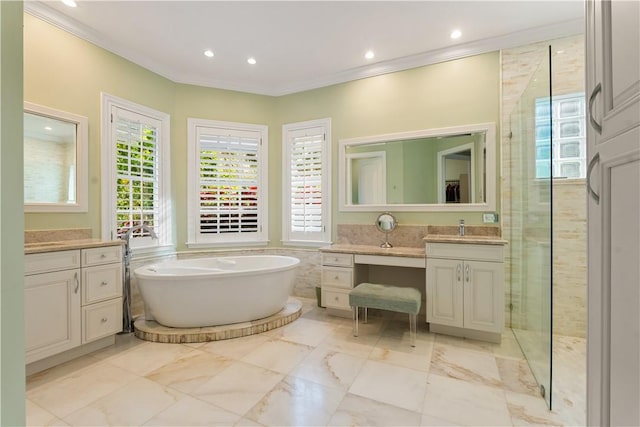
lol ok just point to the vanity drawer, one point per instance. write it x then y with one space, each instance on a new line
337 277
476 252
335 298
103 255
337 259
51 261
101 320
101 283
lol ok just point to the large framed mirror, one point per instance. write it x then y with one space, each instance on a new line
444 169
55 160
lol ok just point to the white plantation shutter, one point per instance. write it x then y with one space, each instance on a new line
136 172
306 180
229 182
226 188
306 209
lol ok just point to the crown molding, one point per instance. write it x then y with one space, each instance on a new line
549 32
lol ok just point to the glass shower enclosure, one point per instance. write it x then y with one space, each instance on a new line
531 228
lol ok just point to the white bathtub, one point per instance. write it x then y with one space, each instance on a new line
216 291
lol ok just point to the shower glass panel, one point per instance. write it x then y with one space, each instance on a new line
531 207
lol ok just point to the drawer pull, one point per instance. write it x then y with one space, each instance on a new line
336 259
336 278
336 298
104 320
103 283
103 256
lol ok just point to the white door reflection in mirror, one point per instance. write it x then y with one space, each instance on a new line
368 171
456 174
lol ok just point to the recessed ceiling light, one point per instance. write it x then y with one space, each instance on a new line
455 34
70 3
48 128
369 54
252 61
208 53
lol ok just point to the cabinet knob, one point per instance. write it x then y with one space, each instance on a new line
103 256
336 278
104 320
103 283
336 298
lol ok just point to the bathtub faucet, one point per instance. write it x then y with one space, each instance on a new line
127 237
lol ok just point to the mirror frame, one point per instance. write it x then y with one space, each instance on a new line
82 160
490 170
395 222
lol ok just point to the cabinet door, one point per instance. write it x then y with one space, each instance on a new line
613 146
444 292
52 313
484 296
613 65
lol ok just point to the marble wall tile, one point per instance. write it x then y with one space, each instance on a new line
40 236
409 236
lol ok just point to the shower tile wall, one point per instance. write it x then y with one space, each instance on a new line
569 216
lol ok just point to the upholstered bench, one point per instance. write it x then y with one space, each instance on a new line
386 297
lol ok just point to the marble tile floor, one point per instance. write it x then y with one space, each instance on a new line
311 372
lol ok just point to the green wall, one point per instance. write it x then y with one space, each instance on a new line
12 370
71 77
66 73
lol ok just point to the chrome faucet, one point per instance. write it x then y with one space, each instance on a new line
461 228
127 237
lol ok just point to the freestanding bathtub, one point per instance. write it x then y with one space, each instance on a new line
216 291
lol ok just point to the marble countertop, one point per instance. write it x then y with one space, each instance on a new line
469 239
375 250
64 245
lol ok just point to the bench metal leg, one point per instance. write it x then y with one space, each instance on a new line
412 328
365 314
355 321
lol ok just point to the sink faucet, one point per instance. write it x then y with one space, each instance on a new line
461 228
127 237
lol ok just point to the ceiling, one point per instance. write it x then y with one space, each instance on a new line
301 45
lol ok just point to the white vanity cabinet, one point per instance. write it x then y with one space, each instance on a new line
465 289
52 303
72 298
336 280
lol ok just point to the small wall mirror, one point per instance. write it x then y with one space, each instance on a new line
386 223
446 169
55 160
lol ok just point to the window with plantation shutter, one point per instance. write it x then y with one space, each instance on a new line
135 172
227 183
306 173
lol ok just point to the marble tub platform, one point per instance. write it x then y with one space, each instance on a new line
152 331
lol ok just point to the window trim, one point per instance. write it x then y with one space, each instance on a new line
195 239
324 236
108 175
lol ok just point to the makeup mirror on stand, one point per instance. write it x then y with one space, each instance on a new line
386 223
